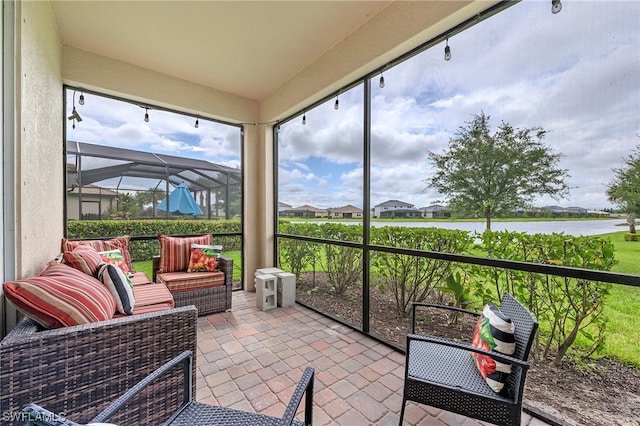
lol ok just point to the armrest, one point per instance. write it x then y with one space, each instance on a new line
467 347
305 387
434 306
225 264
186 358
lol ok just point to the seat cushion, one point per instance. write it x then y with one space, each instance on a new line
151 294
184 281
494 332
61 296
139 278
175 252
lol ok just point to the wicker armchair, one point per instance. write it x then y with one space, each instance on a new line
80 370
441 373
190 413
210 299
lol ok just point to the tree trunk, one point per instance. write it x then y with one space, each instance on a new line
631 220
488 222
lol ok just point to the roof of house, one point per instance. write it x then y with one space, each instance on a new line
393 202
349 208
309 208
95 190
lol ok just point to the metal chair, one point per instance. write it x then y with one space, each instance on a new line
442 373
191 412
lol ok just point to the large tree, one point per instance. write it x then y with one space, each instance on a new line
624 189
493 174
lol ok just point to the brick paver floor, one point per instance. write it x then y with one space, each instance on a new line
251 360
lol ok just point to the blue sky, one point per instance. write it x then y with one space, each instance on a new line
576 74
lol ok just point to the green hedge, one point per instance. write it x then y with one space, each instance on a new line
631 237
144 250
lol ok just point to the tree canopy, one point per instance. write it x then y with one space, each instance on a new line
490 175
624 189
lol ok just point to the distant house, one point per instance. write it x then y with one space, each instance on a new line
283 206
96 201
346 212
396 208
434 211
304 211
566 211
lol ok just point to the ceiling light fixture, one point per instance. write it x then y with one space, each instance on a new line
447 51
337 104
146 115
197 124
556 6
304 118
81 99
381 81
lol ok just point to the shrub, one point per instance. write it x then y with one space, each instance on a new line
631 237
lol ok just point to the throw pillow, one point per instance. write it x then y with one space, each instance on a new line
176 251
204 258
83 258
119 286
121 243
61 296
494 332
114 257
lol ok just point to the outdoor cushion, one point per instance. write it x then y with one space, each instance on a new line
184 281
139 278
175 251
204 258
84 258
121 243
119 286
493 332
151 294
61 296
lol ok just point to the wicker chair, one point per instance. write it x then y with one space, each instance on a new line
80 370
441 373
190 413
208 300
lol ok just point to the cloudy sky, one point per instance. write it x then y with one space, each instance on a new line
575 74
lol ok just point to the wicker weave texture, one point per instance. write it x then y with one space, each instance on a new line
202 414
77 371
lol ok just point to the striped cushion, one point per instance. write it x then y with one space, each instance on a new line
121 243
119 286
494 332
183 281
151 294
61 296
147 309
139 278
84 258
176 251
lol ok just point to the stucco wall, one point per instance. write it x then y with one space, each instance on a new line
39 162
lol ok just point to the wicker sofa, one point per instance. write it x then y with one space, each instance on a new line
79 370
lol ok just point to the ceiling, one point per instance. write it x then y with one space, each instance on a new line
246 48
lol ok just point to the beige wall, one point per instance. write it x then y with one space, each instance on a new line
38 113
39 162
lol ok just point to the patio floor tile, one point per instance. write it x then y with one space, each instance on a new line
252 360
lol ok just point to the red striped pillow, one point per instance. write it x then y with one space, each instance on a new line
176 251
61 296
84 258
120 243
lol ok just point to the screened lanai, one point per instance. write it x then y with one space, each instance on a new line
127 170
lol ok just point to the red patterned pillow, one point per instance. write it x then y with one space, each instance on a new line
84 258
204 258
115 258
175 252
61 296
120 243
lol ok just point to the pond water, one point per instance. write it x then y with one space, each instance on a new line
569 227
